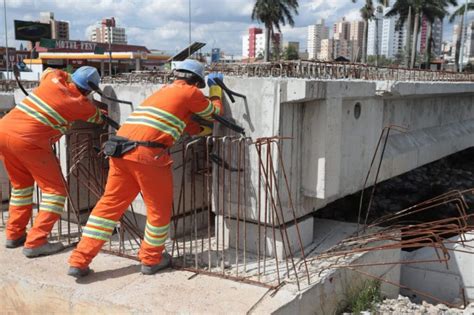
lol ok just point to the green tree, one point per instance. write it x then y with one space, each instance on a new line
290 53
452 18
413 11
273 14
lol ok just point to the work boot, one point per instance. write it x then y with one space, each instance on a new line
78 272
163 264
43 250
15 243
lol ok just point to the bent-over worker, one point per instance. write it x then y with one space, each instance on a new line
26 135
152 128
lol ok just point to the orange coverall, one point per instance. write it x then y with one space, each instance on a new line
161 118
26 135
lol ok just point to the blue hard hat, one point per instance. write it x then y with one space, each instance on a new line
192 66
84 74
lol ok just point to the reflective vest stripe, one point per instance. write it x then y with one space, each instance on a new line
206 114
23 191
157 230
21 201
46 108
100 222
163 115
53 198
96 233
96 118
153 123
39 117
158 241
50 207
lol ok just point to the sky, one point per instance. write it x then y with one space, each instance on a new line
163 24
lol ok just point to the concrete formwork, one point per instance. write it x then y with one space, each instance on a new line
335 126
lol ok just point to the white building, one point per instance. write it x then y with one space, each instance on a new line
103 33
389 40
468 41
374 36
316 33
253 44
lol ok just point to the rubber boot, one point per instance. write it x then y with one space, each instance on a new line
78 272
15 243
43 250
163 264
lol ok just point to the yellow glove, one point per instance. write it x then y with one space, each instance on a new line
215 91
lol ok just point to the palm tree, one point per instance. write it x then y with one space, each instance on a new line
272 13
459 12
367 14
416 9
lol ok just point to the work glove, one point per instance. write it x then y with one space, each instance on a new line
214 89
212 76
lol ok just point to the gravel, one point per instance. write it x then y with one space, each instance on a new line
403 305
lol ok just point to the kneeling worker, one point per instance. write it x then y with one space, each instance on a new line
152 128
26 135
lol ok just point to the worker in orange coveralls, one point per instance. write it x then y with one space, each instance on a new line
154 126
26 135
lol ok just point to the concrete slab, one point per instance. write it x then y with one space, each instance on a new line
116 286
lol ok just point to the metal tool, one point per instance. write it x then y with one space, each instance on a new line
96 89
16 73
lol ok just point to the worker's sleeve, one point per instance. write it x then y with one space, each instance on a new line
204 107
192 128
89 112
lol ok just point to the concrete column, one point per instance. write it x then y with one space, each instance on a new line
137 64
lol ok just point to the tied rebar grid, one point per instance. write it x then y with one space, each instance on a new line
212 210
212 213
306 70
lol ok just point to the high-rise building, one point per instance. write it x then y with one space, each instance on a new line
393 39
316 33
357 39
469 41
384 38
436 36
342 30
342 46
327 50
334 48
253 44
374 36
59 29
107 30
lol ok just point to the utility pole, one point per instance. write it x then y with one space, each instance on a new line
189 28
408 39
109 23
110 51
461 49
6 38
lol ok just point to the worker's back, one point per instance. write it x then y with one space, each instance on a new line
49 110
163 116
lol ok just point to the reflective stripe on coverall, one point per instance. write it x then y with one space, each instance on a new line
26 134
161 118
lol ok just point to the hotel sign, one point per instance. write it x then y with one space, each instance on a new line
72 45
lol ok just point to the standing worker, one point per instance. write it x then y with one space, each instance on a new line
145 166
26 135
